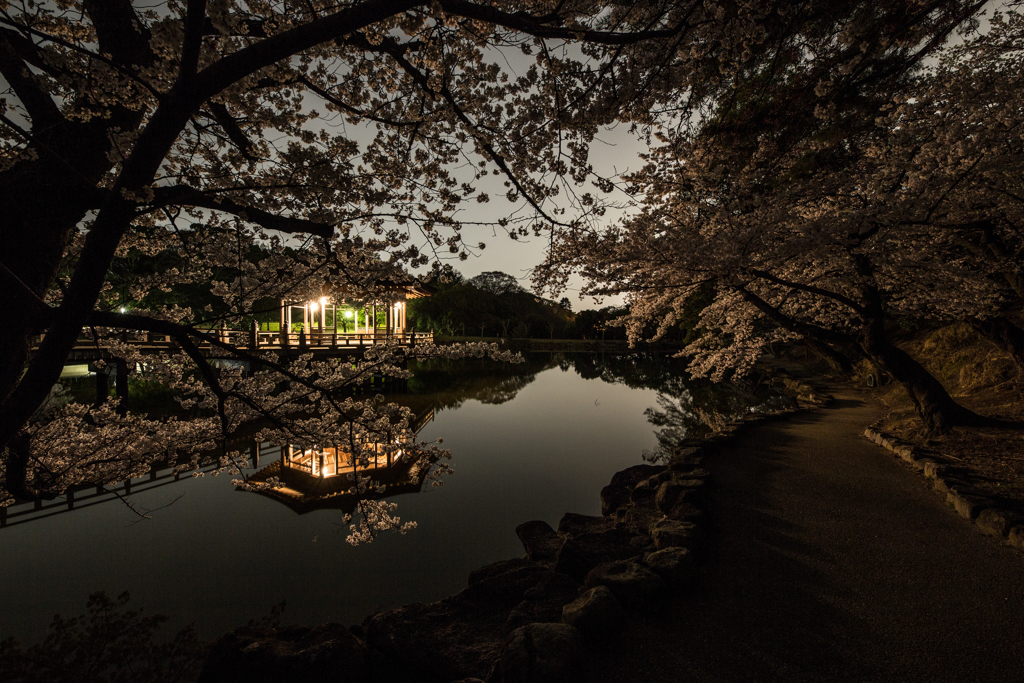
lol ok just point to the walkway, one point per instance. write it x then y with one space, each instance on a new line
830 561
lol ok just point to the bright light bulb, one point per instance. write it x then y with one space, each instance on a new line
123 309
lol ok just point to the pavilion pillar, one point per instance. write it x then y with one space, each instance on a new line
121 385
102 385
280 328
254 453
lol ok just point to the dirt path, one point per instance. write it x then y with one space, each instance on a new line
830 561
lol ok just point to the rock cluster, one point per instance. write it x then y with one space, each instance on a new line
524 619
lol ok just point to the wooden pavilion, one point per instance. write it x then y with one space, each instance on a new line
337 312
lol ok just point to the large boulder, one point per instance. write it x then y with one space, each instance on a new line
672 533
996 522
634 585
497 568
573 524
616 494
543 602
640 518
644 492
283 655
596 613
674 565
584 552
631 476
543 653
681 498
461 636
540 541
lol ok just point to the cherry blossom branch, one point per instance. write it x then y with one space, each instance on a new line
355 111
188 196
193 39
810 289
223 117
541 27
392 48
113 64
119 32
786 322
40 107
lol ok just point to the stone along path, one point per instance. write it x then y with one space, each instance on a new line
830 561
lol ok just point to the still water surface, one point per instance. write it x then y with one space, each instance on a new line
530 442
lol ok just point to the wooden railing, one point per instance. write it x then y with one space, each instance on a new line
331 340
267 340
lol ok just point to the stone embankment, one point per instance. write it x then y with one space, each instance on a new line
993 517
535 618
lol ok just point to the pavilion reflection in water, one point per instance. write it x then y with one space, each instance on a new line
324 477
304 488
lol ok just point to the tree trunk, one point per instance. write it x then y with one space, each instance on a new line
1004 334
934 405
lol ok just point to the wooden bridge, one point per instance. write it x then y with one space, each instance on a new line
323 344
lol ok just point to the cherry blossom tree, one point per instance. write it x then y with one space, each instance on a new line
822 204
350 132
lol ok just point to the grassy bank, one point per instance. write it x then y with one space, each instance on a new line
981 377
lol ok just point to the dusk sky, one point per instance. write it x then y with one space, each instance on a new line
615 152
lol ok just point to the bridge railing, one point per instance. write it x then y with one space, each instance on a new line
269 340
316 339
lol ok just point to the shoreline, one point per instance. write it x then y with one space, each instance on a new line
531 618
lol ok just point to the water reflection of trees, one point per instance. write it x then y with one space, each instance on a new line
449 384
110 642
686 408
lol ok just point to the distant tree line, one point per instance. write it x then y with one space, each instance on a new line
494 304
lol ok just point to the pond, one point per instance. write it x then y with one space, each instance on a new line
529 441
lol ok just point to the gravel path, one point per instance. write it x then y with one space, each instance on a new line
830 561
